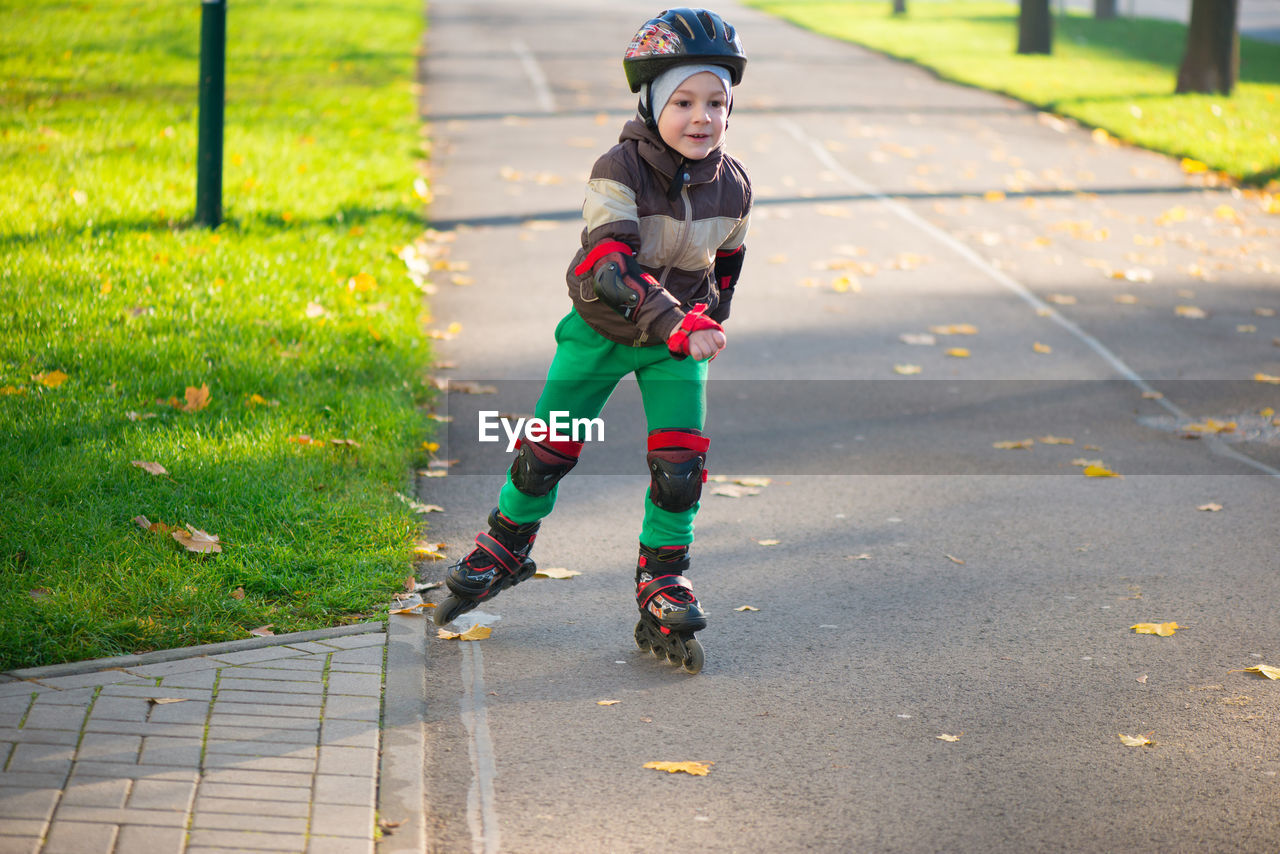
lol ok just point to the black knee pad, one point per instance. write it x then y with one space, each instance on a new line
677 468
538 466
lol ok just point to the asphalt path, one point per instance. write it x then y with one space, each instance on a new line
912 580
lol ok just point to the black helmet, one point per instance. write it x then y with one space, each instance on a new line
680 37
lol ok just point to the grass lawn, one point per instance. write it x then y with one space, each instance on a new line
1118 75
295 314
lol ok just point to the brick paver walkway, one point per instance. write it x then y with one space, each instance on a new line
269 749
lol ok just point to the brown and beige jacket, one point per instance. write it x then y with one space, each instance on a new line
675 241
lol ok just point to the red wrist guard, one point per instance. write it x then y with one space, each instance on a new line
694 321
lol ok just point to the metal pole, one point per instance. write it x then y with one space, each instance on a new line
213 73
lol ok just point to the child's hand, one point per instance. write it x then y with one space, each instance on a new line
706 343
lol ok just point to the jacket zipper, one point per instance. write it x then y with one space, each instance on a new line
686 230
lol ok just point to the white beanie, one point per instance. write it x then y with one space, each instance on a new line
666 83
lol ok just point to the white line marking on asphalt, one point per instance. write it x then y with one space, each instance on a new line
541 89
1042 308
482 816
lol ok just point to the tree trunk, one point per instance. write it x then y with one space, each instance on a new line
1104 9
1035 27
1212 61
899 7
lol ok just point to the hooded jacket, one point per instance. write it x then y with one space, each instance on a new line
674 240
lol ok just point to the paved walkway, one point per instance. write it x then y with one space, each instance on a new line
245 747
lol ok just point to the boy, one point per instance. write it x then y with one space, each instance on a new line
666 218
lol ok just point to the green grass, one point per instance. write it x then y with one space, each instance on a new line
102 278
1118 75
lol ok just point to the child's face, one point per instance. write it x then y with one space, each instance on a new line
694 120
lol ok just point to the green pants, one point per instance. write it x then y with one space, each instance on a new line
586 369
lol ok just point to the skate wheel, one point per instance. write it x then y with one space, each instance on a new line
642 639
694 657
450 609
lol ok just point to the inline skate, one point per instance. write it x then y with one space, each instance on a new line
499 560
669 612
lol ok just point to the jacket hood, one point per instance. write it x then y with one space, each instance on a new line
665 159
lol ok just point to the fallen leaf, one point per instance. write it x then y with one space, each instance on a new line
556 572
1142 679
863 556
197 398
1210 507
410 604
52 379
1193 167
958 353
954 559
1055 440
1043 349
1136 740
164 701
40 593
429 550
747 608
469 388
918 339
954 329
1099 471
152 468
767 542
733 490
1190 311
949 737
906 370
607 702
1266 378
344 443
263 631
418 506
697 769
1061 299
1022 445
238 593
1265 670
474 633
197 541
1164 630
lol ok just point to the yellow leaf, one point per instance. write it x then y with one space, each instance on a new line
52 379
1125 299
746 608
1227 214
1041 348
1262 670
1098 471
607 702
697 769
1193 167
958 353
197 541
151 468
906 370
12 389
1164 630
197 398
1055 440
1190 311
556 573
474 633
1136 740
1266 378
993 196
949 737
1022 445
767 542
954 559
